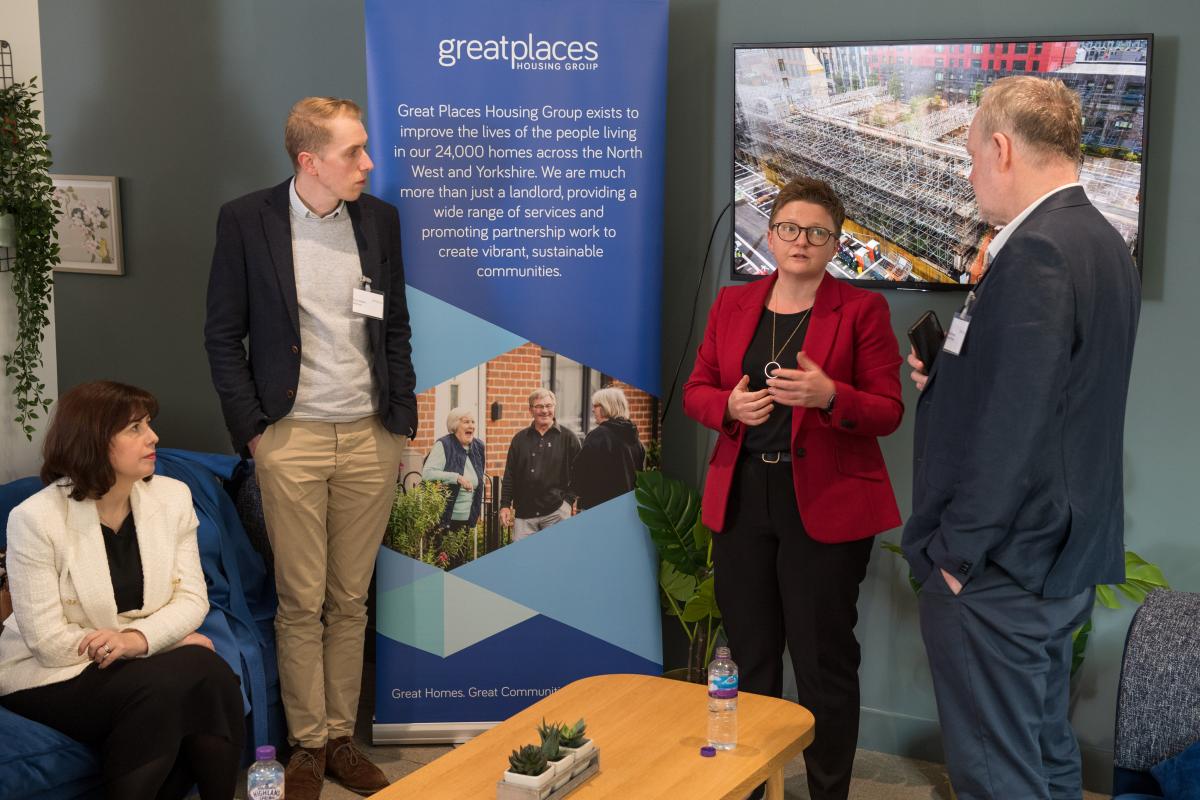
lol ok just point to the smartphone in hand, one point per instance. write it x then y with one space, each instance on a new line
926 335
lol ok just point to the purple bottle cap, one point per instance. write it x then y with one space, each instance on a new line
264 752
708 751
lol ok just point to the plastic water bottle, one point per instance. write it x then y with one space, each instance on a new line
264 781
722 701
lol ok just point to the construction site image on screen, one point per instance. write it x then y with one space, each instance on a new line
886 125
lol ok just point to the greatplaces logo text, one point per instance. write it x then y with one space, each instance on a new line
528 53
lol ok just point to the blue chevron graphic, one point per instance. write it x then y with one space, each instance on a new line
393 570
447 340
561 571
557 572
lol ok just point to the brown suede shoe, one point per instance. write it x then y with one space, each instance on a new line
350 766
305 773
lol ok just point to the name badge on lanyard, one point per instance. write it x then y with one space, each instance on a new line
367 302
957 334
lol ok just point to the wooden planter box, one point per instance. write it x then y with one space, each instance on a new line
510 791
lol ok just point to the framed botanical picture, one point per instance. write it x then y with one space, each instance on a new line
89 224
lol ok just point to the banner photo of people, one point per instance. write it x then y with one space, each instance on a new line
523 145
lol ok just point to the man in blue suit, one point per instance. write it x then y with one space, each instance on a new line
1017 495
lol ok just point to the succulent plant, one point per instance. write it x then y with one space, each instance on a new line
572 735
529 760
550 734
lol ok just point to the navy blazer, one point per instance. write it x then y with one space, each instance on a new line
252 292
1019 438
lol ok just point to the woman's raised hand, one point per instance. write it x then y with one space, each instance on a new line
749 408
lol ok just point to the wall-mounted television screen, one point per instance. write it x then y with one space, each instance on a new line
885 123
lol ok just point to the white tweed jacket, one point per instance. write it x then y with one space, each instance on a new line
61 587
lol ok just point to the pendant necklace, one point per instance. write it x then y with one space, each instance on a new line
774 364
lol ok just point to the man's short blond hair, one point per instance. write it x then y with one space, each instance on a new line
1043 113
307 129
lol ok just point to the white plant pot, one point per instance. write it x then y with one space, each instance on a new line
542 784
583 755
562 770
8 230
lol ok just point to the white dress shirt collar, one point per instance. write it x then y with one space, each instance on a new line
1002 236
303 211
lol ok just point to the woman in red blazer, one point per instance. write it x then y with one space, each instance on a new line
799 375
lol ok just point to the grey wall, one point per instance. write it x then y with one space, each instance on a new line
185 102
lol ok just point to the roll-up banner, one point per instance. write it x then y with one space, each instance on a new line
522 142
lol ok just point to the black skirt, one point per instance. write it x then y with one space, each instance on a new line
139 710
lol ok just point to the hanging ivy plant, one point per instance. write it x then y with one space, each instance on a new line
27 193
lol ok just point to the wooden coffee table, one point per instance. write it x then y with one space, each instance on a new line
649 731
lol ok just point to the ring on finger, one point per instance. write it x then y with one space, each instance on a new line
108 649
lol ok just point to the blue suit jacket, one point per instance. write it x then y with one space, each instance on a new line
1019 439
252 292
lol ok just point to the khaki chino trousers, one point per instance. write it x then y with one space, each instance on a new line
327 491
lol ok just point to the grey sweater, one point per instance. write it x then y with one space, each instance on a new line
335 359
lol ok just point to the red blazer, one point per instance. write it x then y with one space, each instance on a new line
842 484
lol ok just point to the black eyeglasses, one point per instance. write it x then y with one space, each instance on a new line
790 232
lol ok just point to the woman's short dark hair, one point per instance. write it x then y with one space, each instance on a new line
811 190
85 421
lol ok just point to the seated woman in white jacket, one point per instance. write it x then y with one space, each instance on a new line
107 595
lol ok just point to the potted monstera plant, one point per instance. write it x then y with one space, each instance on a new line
671 511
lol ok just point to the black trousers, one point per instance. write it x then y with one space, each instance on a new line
137 711
1000 656
777 586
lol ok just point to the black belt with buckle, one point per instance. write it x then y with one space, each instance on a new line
771 458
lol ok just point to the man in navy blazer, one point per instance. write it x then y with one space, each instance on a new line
310 272
252 292
1017 491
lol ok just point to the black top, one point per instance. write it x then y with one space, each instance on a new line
124 564
608 464
537 471
774 435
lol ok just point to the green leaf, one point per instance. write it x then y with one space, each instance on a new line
701 535
1137 568
895 549
675 583
1106 597
1079 641
670 510
1131 591
702 605
1145 587
1141 578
